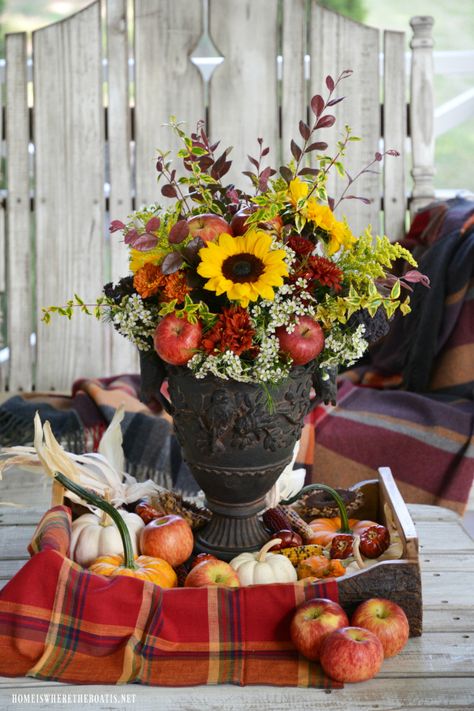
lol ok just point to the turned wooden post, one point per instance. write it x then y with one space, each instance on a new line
422 112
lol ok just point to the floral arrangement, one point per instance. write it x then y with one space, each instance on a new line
246 285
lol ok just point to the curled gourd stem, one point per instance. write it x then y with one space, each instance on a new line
95 500
337 498
264 550
356 552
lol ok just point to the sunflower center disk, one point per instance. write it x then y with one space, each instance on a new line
242 268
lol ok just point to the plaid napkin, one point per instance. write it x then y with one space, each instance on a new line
59 622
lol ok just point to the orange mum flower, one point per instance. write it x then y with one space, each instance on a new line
175 287
231 332
148 280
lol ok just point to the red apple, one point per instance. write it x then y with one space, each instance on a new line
212 572
385 619
169 537
208 226
239 221
201 557
351 654
176 339
304 343
274 224
289 539
312 622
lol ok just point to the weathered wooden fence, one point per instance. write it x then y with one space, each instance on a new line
80 143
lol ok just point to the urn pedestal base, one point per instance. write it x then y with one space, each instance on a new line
233 529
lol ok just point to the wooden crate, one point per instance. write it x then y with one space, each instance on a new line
397 580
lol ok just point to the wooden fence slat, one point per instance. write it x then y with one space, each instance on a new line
395 131
19 297
294 96
69 162
124 357
166 82
243 89
3 248
336 44
3 254
422 112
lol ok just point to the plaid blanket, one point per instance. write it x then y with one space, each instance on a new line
59 622
411 407
79 420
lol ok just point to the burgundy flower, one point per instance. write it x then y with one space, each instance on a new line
302 246
326 272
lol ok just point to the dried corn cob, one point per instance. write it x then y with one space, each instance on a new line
173 503
275 520
296 554
297 523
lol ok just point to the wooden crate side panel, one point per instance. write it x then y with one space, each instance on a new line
337 44
123 357
69 164
19 287
394 134
166 83
390 495
243 89
294 97
396 580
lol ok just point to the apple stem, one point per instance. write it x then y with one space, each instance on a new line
96 500
337 498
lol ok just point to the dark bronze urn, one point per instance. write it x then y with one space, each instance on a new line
236 438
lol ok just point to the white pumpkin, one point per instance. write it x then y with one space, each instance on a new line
94 535
264 567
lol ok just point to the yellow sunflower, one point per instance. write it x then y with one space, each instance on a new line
244 267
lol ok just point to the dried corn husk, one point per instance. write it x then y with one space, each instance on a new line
93 471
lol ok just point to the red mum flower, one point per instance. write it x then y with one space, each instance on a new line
326 272
232 332
302 246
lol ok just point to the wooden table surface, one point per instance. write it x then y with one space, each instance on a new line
434 671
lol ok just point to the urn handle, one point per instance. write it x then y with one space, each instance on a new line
325 385
153 374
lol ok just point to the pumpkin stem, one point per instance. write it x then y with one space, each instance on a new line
95 500
264 550
337 498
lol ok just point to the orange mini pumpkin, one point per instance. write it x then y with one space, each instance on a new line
318 566
324 529
147 568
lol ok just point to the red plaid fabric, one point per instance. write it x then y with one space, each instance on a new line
61 623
